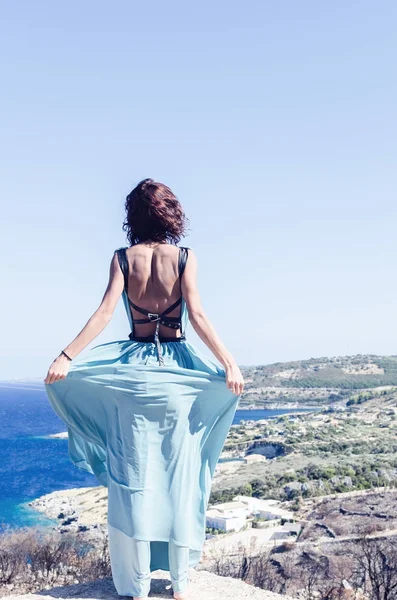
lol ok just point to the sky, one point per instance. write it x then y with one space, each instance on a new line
273 122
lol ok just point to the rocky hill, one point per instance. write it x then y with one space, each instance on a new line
317 380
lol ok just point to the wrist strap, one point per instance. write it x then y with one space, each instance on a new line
64 353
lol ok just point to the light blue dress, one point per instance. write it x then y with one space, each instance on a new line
151 433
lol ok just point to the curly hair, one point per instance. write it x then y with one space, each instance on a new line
153 213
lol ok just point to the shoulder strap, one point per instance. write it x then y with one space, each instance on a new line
123 262
183 255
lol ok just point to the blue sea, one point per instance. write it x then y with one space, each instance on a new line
32 464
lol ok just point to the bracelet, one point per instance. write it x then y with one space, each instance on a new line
64 353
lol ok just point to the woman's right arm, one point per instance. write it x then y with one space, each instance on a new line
204 328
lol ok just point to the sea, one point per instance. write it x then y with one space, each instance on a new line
33 464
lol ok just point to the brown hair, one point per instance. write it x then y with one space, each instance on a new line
153 213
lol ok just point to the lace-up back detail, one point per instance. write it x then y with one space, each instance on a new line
151 317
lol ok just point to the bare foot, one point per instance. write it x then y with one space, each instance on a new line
181 596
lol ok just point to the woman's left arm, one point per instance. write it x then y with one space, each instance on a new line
96 323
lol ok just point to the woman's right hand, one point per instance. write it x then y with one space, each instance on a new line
58 369
234 379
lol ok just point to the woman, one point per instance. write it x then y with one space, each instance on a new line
148 416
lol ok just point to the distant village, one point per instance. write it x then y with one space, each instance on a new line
260 441
245 512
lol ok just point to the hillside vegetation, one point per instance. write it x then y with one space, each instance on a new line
317 380
348 445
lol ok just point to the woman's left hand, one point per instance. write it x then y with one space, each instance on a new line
59 369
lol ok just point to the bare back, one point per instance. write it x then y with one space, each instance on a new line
153 283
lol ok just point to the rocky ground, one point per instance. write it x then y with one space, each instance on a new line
350 515
204 585
76 510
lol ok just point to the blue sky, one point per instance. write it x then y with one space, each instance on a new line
275 125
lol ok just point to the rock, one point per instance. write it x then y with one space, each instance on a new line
69 521
204 585
293 486
335 480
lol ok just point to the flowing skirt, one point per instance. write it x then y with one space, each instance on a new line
151 434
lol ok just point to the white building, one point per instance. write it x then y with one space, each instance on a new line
233 516
265 509
253 458
229 516
274 512
252 504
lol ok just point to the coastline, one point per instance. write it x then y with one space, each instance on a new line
85 509
75 510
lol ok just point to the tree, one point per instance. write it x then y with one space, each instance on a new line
377 566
